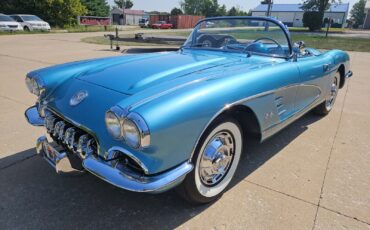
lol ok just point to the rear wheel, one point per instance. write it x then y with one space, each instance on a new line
325 107
215 162
26 28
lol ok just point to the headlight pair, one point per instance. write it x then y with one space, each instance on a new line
34 85
129 127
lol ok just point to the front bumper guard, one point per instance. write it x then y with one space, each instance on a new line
58 160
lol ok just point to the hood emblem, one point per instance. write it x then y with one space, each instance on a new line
78 97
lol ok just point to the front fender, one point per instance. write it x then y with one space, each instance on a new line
178 118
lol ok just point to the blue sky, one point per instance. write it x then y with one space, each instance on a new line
167 5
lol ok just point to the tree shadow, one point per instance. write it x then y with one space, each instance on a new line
33 195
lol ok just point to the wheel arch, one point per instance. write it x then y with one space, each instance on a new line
246 117
342 72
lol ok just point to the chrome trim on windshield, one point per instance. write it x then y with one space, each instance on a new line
268 19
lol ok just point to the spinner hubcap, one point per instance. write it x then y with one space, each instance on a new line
333 94
216 158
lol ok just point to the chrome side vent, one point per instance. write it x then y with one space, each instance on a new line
280 105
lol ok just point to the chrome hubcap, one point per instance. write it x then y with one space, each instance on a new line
333 94
216 158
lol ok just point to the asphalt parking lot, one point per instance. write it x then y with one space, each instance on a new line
313 175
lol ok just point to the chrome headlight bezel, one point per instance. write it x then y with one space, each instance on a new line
35 85
113 118
133 121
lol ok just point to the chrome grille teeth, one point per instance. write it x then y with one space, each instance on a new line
69 138
62 128
49 123
57 128
83 146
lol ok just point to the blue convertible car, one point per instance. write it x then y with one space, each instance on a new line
150 122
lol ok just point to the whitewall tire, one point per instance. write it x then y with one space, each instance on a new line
215 162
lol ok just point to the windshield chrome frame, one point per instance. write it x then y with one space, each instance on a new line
267 19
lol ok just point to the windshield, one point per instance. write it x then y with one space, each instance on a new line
4 18
249 35
30 18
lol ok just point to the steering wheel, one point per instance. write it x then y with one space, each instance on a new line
270 39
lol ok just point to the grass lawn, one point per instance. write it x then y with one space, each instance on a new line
331 42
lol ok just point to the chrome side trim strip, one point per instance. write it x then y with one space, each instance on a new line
142 184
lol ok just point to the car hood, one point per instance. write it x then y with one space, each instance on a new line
37 22
9 23
130 75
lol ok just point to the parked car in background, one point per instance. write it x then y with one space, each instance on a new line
162 25
150 122
144 23
31 22
8 24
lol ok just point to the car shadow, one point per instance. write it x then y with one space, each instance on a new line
33 195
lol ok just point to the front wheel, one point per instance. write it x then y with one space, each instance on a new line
325 107
215 162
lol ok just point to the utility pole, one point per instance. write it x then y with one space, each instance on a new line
269 6
268 12
123 12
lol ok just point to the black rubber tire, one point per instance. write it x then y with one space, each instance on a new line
187 189
26 29
321 109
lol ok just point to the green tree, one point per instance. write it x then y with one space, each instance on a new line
96 7
312 20
221 11
176 11
208 8
319 6
236 11
358 13
128 4
232 12
57 12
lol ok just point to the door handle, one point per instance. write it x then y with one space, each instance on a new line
326 67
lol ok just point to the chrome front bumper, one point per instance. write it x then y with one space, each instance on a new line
106 170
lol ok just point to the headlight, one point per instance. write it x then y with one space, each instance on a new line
131 128
131 133
113 123
3 26
34 86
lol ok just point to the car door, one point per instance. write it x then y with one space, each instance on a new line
314 76
276 106
18 19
